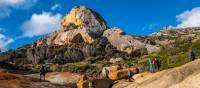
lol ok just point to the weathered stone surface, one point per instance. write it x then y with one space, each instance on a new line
84 18
63 78
122 73
82 22
152 48
116 60
122 41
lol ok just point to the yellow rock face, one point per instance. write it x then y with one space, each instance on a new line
83 83
115 75
72 18
130 50
122 73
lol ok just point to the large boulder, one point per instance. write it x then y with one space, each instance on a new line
80 25
110 69
123 41
83 17
122 73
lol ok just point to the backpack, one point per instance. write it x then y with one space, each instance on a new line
44 69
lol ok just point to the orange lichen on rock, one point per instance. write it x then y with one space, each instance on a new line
71 18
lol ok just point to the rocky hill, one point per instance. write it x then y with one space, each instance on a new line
169 36
82 31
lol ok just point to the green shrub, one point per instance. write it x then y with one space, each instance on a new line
79 67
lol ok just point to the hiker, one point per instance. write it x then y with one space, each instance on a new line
158 63
43 71
129 74
99 67
99 76
106 73
192 55
151 67
155 62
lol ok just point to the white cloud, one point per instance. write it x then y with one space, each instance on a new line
189 18
11 2
7 5
56 6
5 41
41 24
17 3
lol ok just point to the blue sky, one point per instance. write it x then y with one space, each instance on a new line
24 21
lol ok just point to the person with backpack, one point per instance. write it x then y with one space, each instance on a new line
43 71
129 74
99 67
155 62
106 74
192 55
151 66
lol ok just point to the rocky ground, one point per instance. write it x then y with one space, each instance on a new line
61 78
185 76
53 80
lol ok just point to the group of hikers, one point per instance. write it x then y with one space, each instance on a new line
153 65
